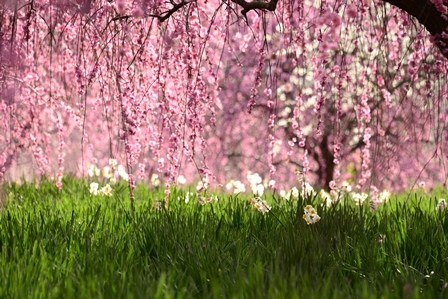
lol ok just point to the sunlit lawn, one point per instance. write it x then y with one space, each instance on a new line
71 244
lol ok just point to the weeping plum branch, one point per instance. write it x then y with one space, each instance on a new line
158 118
163 16
248 6
433 14
176 6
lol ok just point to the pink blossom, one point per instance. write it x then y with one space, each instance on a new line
332 185
351 11
120 6
137 12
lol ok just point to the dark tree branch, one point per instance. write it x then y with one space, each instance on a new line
435 21
162 17
426 13
176 6
257 4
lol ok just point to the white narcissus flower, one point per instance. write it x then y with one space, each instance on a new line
294 193
383 196
307 190
181 180
202 184
122 173
254 178
283 194
106 190
113 163
346 187
326 197
157 204
229 185
155 181
359 198
187 196
441 205
93 170
201 200
260 204
310 215
107 172
238 187
94 188
258 190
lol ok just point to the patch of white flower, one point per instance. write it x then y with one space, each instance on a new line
94 188
359 198
256 183
93 171
236 186
181 180
260 205
327 198
441 205
155 181
310 215
307 190
122 173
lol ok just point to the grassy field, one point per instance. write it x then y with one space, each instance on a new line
70 244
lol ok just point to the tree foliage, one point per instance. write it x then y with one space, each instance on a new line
332 90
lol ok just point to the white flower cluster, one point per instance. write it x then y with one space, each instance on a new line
105 191
155 181
237 187
260 204
202 198
306 191
111 172
181 180
256 183
441 205
310 215
157 204
327 197
202 185
206 199
359 198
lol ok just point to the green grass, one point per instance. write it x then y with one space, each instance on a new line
71 245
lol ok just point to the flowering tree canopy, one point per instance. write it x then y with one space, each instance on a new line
332 90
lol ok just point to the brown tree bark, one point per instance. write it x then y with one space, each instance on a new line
435 21
427 14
